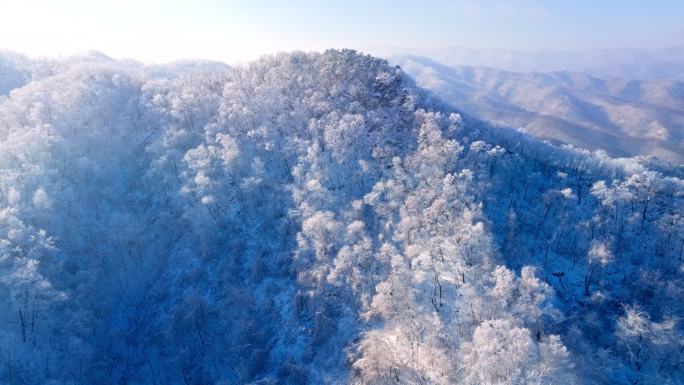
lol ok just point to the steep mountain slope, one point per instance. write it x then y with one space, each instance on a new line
622 117
313 219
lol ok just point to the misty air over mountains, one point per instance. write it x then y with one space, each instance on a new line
318 218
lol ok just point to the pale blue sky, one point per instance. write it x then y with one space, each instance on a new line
229 30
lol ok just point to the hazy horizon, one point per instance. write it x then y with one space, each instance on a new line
376 50
231 31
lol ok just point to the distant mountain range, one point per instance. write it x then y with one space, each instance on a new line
630 63
621 116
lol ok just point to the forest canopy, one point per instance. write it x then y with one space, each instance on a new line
317 219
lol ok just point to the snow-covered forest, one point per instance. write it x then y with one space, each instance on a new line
317 219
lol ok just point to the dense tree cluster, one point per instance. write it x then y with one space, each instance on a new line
318 219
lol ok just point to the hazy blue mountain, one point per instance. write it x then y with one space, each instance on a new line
629 63
623 117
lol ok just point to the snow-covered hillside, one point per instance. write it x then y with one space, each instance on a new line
319 219
623 117
15 71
